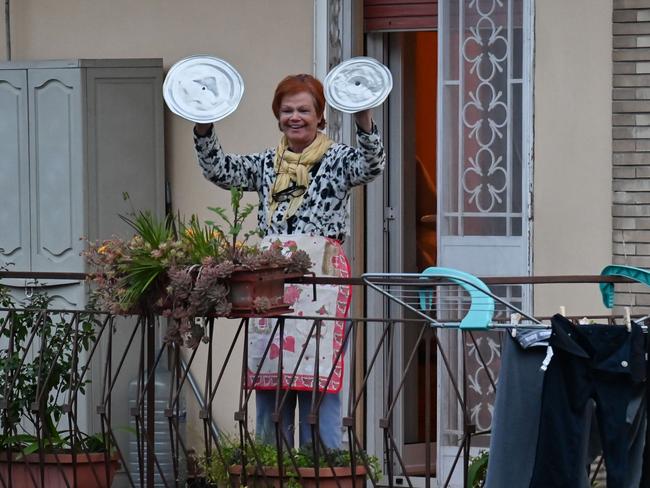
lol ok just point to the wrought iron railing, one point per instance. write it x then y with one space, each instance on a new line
45 423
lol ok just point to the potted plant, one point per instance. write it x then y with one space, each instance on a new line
183 269
35 376
227 467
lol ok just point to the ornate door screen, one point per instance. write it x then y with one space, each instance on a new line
484 151
483 156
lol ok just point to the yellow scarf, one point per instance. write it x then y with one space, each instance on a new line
292 167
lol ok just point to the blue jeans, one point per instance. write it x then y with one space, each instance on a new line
329 421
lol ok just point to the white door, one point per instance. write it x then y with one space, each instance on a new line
484 157
484 136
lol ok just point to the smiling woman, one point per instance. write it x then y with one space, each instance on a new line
304 186
305 156
299 120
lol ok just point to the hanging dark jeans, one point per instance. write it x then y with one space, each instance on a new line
602 362
645 480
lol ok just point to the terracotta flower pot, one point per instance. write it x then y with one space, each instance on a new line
327 477
250 288
251 293
90 470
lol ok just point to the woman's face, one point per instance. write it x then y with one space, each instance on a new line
298 120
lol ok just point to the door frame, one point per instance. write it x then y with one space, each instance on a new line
384 254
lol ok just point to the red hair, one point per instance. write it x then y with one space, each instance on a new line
294 84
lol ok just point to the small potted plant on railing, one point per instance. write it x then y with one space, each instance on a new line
38 369
187 269
223 468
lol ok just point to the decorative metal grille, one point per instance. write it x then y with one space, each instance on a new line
335 56
482 136
483 358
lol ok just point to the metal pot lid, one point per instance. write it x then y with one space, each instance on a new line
358 84
203 89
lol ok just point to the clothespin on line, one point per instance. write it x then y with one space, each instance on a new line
547 358
549 349
515 319
627 315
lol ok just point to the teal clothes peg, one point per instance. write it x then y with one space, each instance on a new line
636 274
481 309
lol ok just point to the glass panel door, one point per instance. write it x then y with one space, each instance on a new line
483 166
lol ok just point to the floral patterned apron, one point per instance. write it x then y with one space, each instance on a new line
328 259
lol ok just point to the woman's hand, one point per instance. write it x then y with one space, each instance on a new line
202 129
364 120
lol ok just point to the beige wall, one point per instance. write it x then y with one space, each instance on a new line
572 150
263 39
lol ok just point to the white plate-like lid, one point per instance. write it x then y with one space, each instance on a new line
358 84
203 89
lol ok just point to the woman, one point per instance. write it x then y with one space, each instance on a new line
303 186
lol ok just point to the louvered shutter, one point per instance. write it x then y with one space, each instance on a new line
400 15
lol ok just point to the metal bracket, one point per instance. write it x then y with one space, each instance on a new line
348 422
389 215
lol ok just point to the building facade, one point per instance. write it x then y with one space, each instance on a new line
516 131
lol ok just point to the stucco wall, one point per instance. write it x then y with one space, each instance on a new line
572 150
263 39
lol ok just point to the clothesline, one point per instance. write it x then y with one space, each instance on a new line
359 281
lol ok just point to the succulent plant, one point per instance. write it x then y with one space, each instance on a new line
181 269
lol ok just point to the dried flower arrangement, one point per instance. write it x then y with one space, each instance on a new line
184 270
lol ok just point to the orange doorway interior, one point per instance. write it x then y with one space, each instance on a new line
426 76
424 85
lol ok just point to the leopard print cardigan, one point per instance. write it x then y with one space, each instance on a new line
324 209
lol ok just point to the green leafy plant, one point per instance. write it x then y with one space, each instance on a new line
217 467
37 374
151 250
202 241
477 470
234 224
181 269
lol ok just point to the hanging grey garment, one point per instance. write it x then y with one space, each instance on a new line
532 337
515 422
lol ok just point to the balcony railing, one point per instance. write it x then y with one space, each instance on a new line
130 389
